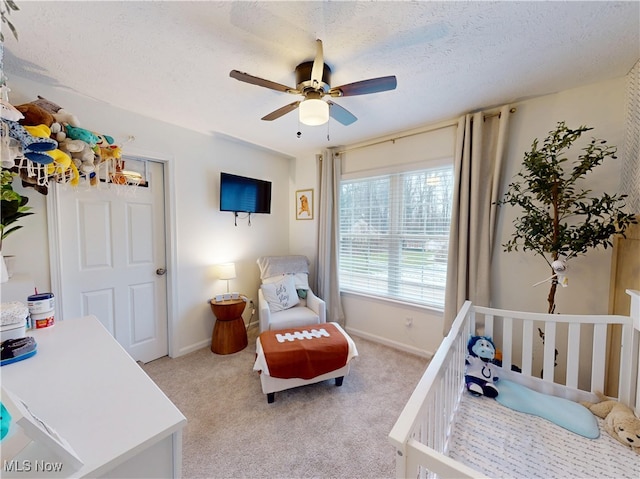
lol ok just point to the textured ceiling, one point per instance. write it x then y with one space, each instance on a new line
171 60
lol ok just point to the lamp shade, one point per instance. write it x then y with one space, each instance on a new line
314 112
227 271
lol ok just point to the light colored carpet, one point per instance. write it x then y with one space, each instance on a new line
314 431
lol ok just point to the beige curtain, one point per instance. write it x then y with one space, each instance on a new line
329 172
480 147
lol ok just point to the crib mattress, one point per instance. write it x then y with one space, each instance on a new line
503 443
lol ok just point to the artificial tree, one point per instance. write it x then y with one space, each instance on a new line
561 220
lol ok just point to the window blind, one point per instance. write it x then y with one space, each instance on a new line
394 234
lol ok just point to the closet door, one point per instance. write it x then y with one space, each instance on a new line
113 260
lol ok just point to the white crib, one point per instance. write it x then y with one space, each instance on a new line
422 433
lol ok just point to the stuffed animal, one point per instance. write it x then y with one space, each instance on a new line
619 421
34 115
61 160
9 112
480 372
59 114
81 134
33 147
81 153
106 149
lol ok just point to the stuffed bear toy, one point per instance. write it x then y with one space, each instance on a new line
34 115
619 421
480 372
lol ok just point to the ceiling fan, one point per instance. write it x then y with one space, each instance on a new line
313 81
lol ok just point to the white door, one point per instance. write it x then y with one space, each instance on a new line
113 260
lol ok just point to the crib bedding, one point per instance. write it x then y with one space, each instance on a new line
503 443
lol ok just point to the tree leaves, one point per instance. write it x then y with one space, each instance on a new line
13 206
5 10
559 217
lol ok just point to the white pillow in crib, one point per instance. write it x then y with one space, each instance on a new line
281 294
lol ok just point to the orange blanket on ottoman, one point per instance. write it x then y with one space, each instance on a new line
304 352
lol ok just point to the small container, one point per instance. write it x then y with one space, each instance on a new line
42 320
13 320
41 303
13 331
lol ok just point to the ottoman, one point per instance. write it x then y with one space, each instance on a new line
294 357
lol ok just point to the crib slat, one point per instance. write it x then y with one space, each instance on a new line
507 342
625 378
527 347
549 351
598 357
573 355
488 325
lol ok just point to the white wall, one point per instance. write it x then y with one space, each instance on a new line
598 105
303 234
203 235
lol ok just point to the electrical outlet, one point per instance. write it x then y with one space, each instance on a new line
408 321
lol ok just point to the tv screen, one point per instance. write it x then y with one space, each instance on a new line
244 195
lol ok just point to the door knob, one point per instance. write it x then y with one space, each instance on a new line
161 271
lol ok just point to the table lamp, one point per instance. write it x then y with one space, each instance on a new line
227 271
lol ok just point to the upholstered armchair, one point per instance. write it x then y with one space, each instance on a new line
284 298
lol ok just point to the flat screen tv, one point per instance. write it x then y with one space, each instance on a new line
244 195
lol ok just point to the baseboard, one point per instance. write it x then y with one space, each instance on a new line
390 343
206 343
193 347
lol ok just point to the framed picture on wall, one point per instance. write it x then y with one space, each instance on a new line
304 204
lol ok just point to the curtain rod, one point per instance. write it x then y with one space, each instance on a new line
491 115
437 127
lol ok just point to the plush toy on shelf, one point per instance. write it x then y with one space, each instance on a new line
480 372
81 153
76 133
61 161
33 147
60 115
34 115
106 149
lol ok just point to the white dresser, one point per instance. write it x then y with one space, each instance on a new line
83 384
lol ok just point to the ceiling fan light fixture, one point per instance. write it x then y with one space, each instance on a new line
314 112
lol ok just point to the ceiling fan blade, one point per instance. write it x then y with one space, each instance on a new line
364 87
318 66
245 77
340 114
281 111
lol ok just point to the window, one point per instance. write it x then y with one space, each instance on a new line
394 235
